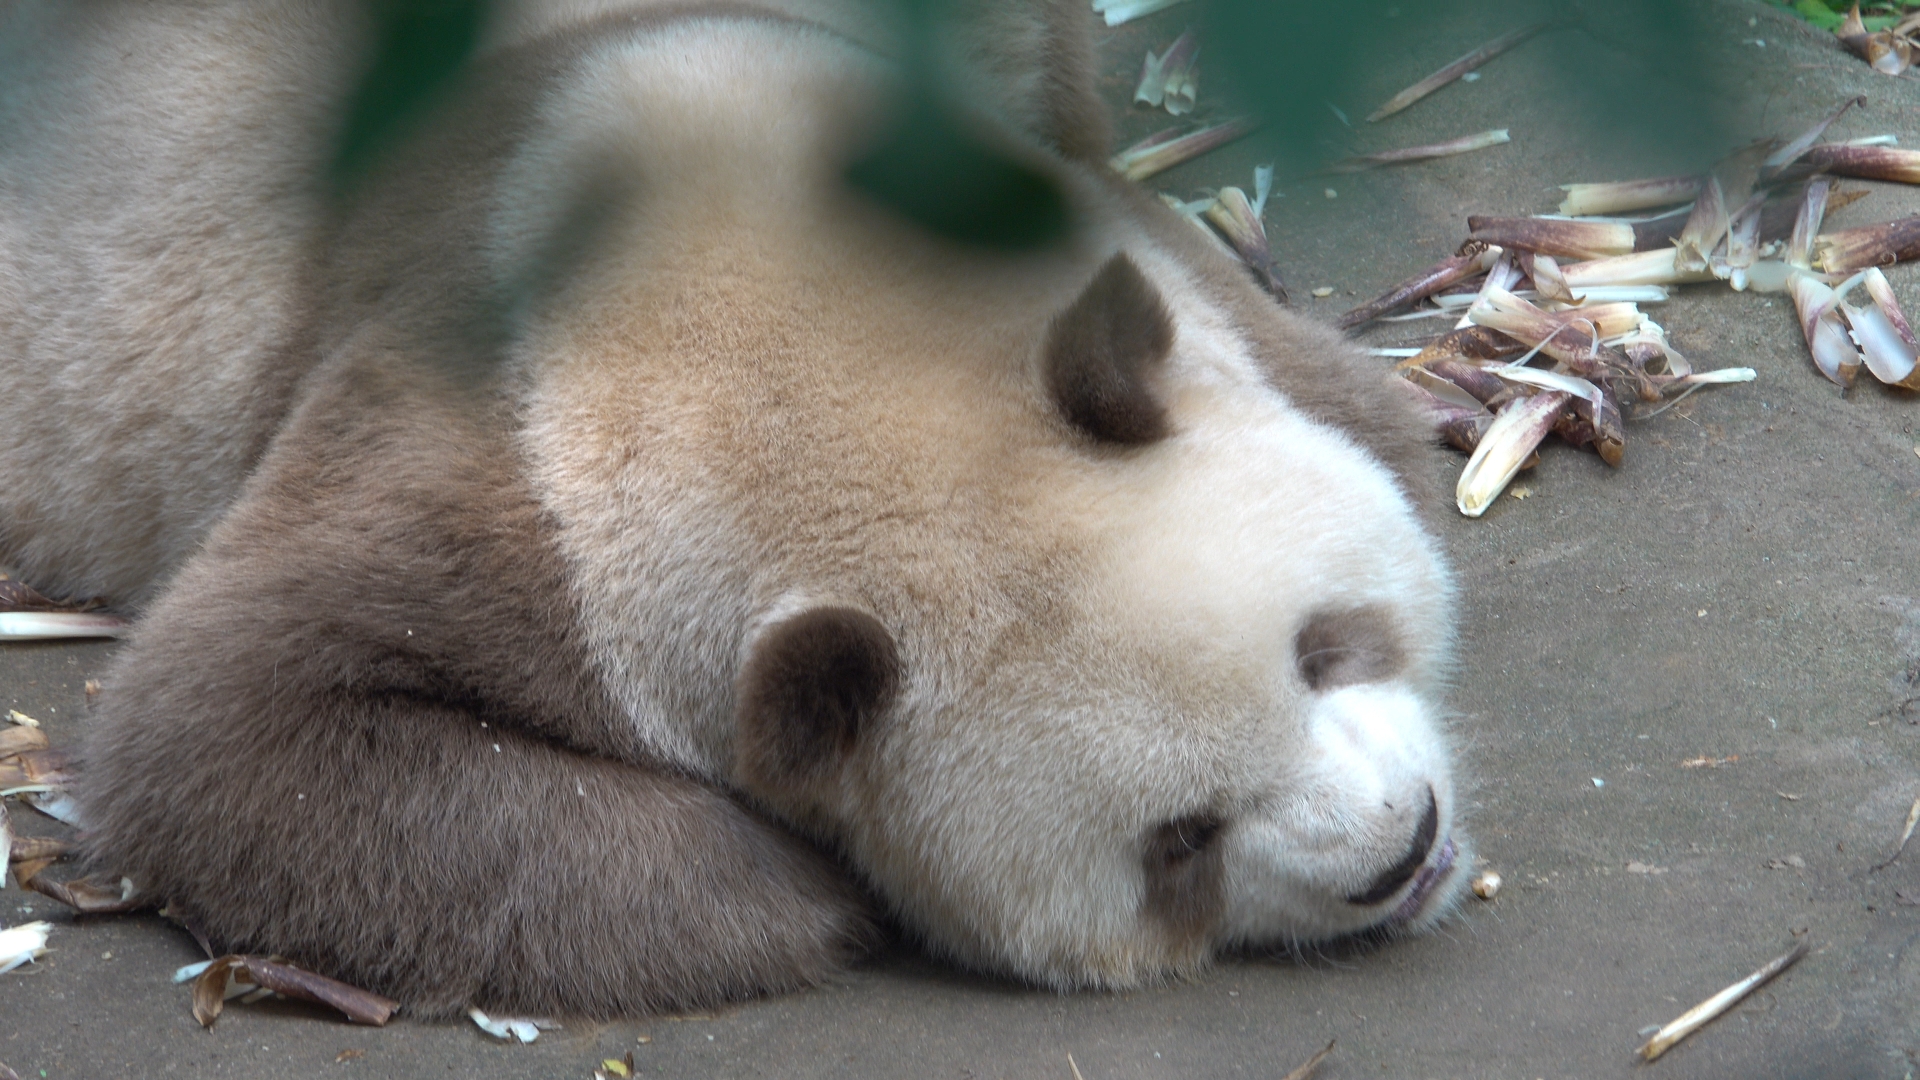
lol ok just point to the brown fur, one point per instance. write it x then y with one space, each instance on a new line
401 714
1102 352
809 692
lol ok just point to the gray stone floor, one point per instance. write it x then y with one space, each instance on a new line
1747 583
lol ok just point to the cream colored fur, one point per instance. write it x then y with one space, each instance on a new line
761 394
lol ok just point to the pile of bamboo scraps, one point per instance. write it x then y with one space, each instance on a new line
1565 289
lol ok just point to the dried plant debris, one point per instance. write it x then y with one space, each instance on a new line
1312 1064
85 895
23 944
1116 12
19 596
34 771
1163 150
1464 144
1704 1013
1890 50
1557 297
615 1068
1454 70
1171 80
16 739
1474 260
253 978
1906 834
514 1029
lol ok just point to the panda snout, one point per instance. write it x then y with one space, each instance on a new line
1394 877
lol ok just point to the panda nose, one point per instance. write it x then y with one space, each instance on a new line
1402 872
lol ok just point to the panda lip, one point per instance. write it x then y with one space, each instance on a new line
1424 884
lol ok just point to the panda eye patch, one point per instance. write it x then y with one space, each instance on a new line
1183 838
1346 648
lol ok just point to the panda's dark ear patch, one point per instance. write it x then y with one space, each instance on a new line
1102 354
813 685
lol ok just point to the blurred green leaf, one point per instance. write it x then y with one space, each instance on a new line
930 169
419 47
1624 70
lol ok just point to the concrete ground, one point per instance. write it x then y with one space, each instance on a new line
1746 585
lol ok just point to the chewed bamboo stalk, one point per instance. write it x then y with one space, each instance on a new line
1504 274
1547 280
1596 294
1639 268
48 625
1827 339
1700 1015
1449 271
1454 70
1743 244
1516 430
1806 224
1162 151
1462 145
1555 236
1791 152
1116 12
1866 162
1456 415
1171 79
1234 216
1191 213
1564 337
1623 195
1659 233
1881 331
1869 245
1703 230
1477 382
1468 343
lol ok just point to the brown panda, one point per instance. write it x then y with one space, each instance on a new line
522 641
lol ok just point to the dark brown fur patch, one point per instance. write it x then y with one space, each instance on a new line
1102 352
814 684
361 731
1186 892
1347 648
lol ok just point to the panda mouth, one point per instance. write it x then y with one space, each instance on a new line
1425 883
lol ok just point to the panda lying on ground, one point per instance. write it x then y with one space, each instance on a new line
630 639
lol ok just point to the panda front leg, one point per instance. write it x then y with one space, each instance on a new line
405 845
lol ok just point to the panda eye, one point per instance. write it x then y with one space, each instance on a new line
1182 838
1344 648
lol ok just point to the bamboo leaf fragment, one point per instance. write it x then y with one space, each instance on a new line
1704 1013
1163 150
1408 155
1624 195
1456 69
1515 432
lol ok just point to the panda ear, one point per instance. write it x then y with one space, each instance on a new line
816 682
1102 353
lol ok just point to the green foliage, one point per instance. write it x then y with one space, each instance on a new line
1828 14
934 172
419 46
1625 69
